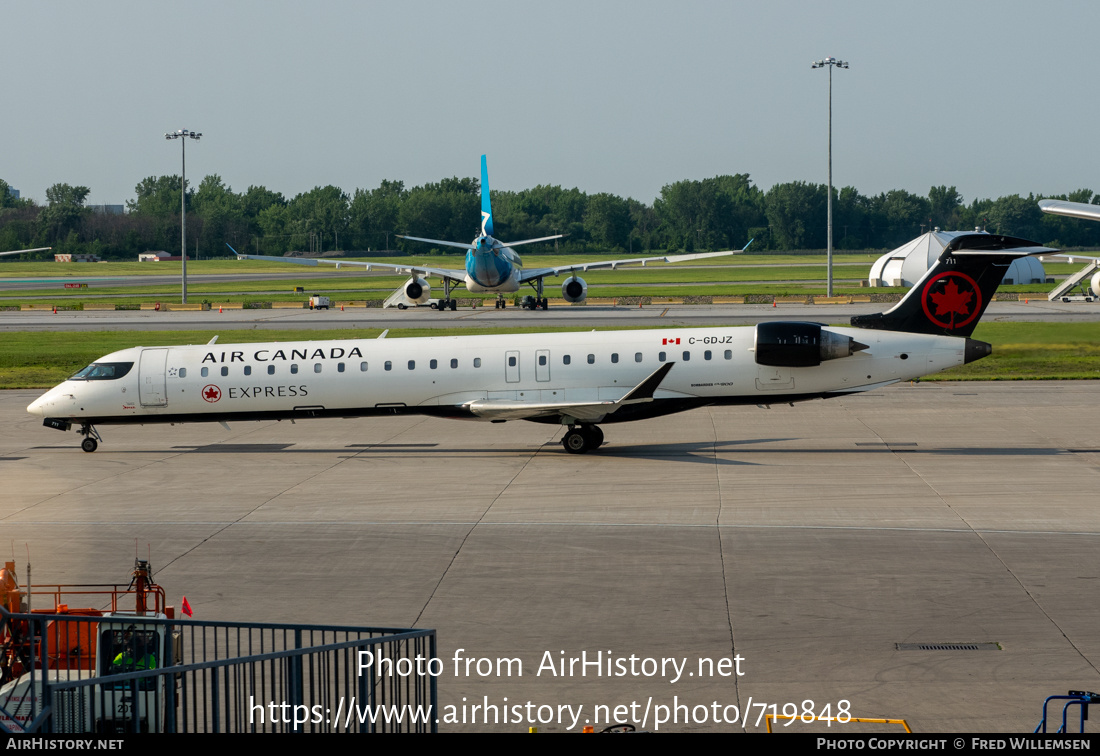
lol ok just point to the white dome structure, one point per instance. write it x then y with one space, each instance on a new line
906 265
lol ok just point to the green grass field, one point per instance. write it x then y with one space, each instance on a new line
1021 351
716 279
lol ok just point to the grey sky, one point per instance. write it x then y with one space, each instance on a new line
621 97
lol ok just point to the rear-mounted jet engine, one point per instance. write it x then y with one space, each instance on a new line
801 344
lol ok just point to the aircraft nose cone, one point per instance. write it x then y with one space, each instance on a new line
38 406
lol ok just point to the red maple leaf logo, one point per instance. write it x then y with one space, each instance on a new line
211 393
950 301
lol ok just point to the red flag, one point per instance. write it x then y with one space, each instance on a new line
186 608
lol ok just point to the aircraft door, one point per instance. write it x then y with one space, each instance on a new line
542 365
511 367
152 389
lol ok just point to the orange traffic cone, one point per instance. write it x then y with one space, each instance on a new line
219 309
773 303
341 308
55 309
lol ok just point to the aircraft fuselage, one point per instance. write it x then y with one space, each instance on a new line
492 267
454 376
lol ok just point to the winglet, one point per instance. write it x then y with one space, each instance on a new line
486 207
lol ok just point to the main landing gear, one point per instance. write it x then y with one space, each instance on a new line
91 437
582 438
537 302
446 303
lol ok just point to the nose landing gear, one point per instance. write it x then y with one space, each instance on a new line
91 437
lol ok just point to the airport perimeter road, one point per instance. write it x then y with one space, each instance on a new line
649 316
808 541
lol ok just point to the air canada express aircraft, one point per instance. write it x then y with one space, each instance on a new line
578 380
491 266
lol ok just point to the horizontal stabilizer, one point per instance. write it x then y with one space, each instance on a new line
459 245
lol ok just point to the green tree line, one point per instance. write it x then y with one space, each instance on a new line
723 212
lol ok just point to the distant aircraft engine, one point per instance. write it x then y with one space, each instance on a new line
800 344
1095 283
574 289
417 290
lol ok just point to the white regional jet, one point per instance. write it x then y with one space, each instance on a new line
491 266
579 380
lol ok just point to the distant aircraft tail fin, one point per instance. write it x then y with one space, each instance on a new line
486 207
951 297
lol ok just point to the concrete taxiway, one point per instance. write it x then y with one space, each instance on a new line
587 316
810 541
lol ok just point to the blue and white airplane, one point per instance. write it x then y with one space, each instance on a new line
491 266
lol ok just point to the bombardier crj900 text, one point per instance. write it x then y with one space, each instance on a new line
579 380
491 266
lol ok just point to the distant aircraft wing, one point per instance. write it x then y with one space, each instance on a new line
405 270
21 251
1072 209
532 274
508 409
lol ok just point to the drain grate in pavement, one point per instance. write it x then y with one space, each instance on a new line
389 446
947 646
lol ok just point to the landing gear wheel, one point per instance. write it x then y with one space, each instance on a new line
576 441
595 436
402 306
89 444
454 305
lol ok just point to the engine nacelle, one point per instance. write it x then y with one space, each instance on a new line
574 289
800 344
417 291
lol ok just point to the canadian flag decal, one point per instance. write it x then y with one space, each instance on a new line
669 341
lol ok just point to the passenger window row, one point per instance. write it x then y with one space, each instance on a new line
317 367
434 364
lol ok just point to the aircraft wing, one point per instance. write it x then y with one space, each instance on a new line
508 409
1072 209
21 251
405 270
532 274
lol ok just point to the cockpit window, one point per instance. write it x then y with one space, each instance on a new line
102 371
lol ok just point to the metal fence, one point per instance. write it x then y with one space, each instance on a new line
81 674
